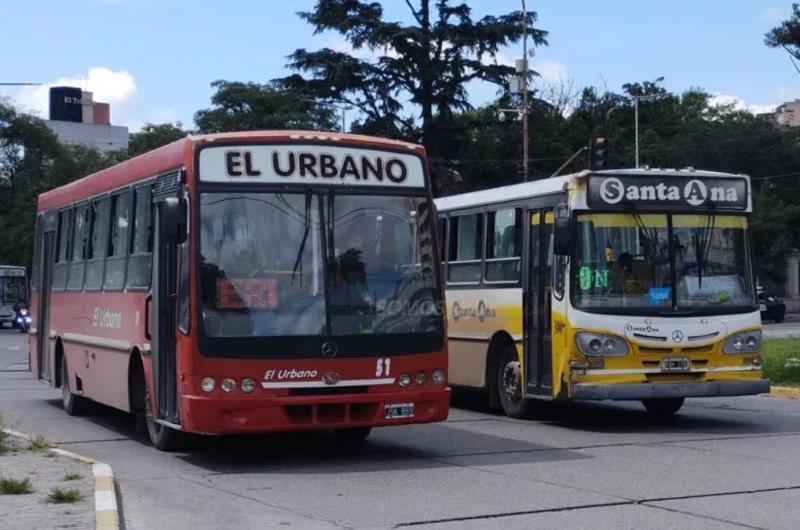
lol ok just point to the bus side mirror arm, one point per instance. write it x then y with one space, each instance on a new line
562 231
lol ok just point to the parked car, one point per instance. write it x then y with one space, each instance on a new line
772 307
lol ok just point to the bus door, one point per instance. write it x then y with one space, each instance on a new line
43 281
538 340
166 228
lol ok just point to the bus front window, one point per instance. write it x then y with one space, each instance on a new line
627 261
316 264
14 290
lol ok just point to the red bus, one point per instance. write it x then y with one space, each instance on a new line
244 283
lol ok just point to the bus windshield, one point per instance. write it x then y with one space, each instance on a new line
316 264
13 289
662 263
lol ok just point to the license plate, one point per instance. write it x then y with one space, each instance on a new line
762 307
399 410
676 364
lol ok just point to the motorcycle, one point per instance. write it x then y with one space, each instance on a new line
23 319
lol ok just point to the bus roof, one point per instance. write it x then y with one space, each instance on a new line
173 156
552 185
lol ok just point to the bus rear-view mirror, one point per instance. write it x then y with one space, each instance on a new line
562 235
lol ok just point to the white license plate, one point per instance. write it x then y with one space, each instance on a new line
762 307
399 410
676 364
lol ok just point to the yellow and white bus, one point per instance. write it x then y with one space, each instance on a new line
632 284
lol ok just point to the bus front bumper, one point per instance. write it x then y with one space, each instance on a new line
636 391
215 415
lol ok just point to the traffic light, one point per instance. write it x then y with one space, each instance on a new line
598 155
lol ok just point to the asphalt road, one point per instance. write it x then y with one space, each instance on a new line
724 463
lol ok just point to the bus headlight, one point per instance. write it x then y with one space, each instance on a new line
745 342
404 380
228 384
248 384
208 384
593 344
438 377
421 378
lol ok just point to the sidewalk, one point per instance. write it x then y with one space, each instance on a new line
47 472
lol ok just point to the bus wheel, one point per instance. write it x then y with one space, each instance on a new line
73 405
162 437
663 406
354 435
509 385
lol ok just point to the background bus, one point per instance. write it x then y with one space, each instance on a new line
246 282
14 297
624 284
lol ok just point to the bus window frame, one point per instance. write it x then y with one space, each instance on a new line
123 258
132 225
519 223
646 312
83 203
303 347
97 200
481 248
62 242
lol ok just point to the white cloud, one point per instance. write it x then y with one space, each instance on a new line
117 88
551 71
739 103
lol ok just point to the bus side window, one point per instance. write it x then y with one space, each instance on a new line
504 245
140 257
79 244
117 241
96 250
61 254
183 277
466 240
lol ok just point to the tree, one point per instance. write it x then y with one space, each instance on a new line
428 62
251 106
153 136
787 36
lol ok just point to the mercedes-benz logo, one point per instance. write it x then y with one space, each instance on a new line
329 349
677 335
331 378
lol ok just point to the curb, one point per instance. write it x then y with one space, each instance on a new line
785 391
106 515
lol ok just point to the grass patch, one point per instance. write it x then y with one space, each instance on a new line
64 496
39 443
12 486
71 476
782 361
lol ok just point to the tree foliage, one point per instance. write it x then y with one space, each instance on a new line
153 136
787 36
251 106
426 63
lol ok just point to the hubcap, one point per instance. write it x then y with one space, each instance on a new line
510 380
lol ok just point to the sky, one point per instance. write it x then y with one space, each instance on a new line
154 60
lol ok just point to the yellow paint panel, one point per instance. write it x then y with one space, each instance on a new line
624 220
548 217
701 221
535 218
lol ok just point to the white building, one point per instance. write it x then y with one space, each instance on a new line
76 118
788 114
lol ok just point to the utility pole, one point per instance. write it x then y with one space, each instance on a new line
525 92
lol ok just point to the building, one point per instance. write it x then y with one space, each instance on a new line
76 118
788 114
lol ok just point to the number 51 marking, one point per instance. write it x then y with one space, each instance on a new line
382 367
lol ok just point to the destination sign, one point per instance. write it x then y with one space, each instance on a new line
669 191
14 273
310 164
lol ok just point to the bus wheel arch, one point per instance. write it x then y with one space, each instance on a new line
497 346
136 381
59 355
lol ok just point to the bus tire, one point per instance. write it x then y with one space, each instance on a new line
663 407
162 437
509 384
354 435
74 405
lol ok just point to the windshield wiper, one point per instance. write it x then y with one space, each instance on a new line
649 237
307 221
702 245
